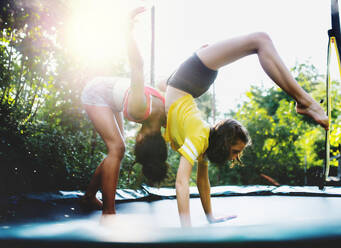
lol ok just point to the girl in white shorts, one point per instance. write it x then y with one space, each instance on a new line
106 100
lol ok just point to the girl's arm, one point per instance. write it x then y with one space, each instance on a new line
204 187
137 99
182 191
162 84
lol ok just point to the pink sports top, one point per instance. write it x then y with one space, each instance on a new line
149 92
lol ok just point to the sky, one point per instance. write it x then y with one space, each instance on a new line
298 29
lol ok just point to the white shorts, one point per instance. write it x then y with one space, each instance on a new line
106 92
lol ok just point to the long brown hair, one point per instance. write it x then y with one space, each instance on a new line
151 153
222 136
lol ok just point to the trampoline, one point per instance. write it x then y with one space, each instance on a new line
266 216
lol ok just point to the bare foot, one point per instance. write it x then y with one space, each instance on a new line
109 220
316 112
91 203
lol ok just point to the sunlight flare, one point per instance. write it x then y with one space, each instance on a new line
96 30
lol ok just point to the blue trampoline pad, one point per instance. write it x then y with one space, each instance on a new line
266 217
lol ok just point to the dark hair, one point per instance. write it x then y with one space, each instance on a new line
222 136
151 153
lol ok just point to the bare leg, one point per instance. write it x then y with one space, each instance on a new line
89 200
228 51
106 174
119 119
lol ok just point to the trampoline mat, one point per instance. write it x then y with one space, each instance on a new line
265 217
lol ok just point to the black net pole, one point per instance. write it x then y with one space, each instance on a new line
325 171
335 31
334 38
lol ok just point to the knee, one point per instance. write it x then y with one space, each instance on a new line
117 150
261 39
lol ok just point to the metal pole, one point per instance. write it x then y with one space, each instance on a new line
152 48
327 142
325 172
213 104
339 165
305 170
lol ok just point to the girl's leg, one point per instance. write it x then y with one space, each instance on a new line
228 51
90 200
119 119
106 174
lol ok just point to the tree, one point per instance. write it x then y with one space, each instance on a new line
47 142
